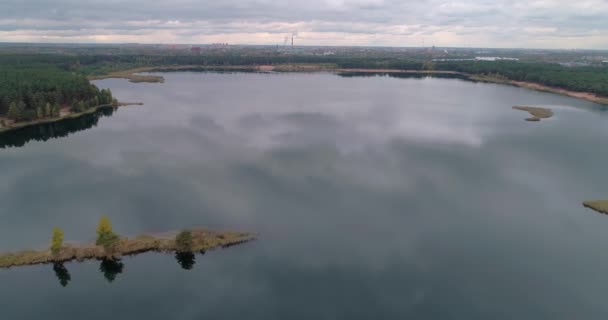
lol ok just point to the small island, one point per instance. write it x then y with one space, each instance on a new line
600 206
536 112
110 246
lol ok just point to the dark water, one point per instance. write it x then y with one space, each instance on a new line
374 198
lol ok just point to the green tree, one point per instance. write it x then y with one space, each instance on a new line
13 111
48 112
105 236
39 112
104 226
183 241
56 241
56 110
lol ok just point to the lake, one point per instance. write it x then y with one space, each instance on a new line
373 197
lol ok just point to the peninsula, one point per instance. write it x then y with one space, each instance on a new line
600 206
111 246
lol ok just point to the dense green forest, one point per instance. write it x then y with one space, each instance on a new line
39 89
587 79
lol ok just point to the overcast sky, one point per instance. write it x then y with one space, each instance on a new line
463 23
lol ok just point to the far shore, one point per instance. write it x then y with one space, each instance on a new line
133 76
202 240
65 114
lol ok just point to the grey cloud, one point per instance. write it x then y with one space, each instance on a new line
383 21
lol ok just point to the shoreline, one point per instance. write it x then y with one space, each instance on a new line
588 96
71 115
202 240
131 75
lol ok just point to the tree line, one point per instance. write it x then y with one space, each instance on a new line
586 79
29 82
592 79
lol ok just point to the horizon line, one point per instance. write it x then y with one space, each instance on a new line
295 46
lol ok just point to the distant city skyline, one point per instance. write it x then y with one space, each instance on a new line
549 24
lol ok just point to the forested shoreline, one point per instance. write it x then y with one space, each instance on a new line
38 86
592 79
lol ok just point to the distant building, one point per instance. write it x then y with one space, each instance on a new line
218 45
195 50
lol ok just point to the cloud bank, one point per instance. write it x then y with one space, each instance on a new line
477 23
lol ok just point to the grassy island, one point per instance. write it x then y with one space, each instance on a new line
600 206
536 112
110 246
131 75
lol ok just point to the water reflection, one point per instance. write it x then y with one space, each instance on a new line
53 130
111 268
62 274
402 75
185 259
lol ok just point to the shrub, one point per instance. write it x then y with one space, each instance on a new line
56 241
183 241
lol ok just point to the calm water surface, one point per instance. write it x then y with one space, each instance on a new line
374 198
